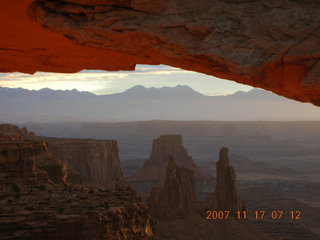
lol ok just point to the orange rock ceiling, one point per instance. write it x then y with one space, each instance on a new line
268 44
27 47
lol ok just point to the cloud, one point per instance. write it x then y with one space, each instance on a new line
89 81
46 77
103 82
19 79
158 69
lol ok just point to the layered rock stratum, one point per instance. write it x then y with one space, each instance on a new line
177 196
88 161
225 196
225 192
178 215
154 169
39 203
97 161
267 44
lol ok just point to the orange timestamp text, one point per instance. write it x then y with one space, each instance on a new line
258 215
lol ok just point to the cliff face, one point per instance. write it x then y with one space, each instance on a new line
53 166
153 172
176 197
17 160
97 161
178 215
164 147
271 45
18 156
33 206
9 132
226 194
18 144
169 145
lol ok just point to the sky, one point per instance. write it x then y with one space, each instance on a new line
103 82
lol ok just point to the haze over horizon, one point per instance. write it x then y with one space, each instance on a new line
179 103
103 82
138 87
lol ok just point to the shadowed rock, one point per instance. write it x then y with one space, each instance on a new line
154 169
53 166
178 216
39 203
163 147
225 192
176 198
97 161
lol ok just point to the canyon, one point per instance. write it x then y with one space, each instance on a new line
70 188
39 197
178 215
37 202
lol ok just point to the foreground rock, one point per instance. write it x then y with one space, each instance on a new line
33 206
154 169
271 45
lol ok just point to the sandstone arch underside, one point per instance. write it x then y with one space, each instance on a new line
272 44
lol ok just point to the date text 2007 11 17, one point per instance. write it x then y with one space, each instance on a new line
258 215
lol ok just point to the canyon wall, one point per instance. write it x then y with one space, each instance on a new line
18 157
79 160
35 207
97 161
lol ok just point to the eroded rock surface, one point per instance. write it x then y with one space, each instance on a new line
33 206
177 214
18 156
177 197
225 196
226 193
89 161
9 132
267 44
97 161
53 166
153 172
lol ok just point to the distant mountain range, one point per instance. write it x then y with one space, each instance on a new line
140 103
